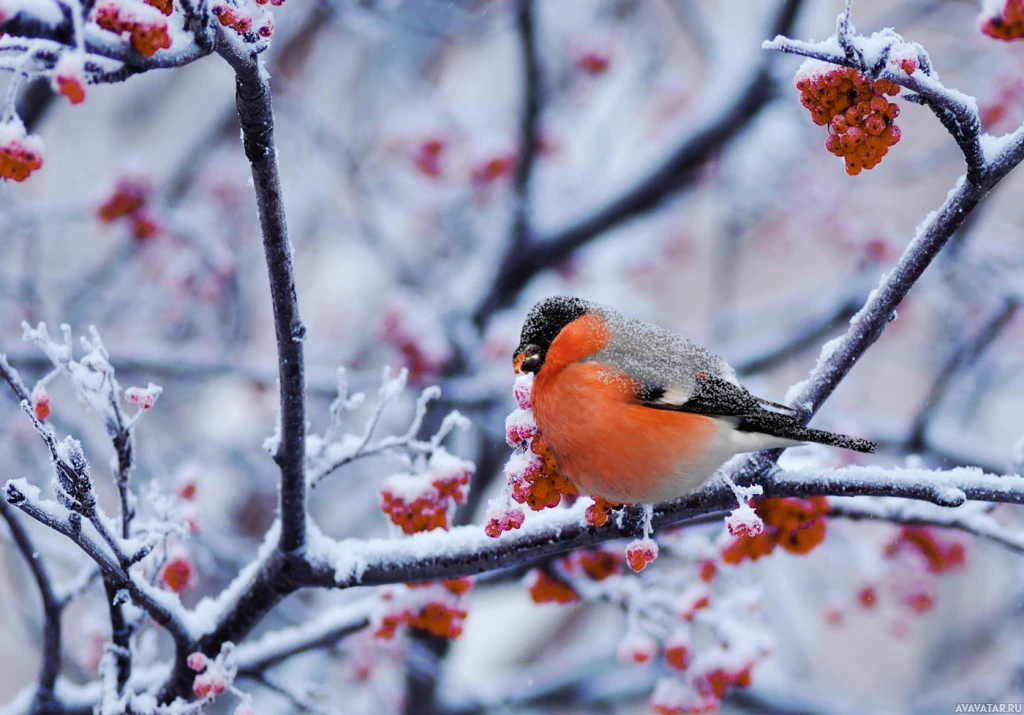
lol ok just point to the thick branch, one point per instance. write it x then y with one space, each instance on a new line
466 551
255 113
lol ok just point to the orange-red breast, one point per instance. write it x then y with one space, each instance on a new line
637 414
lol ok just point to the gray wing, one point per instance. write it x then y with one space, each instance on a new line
677 374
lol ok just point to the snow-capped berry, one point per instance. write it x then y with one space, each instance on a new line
41 403
244 709
855 109
69 78
144 397
744 521
197 661
640 553
637 647
20 153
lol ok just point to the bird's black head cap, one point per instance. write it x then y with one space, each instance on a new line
543 324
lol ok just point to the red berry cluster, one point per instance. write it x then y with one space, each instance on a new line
596 565
540 485
178 574
1008 25
544 589
238 20
939 556
855 109
68 78
599 512
20 155
166 7
640 553
703 692
797 525
427 156
493 168
503 521
147 37
416 504
422 355
129 201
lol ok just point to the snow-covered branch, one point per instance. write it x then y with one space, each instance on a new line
467 550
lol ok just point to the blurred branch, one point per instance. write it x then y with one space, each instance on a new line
964 354
978 522
528 129
676 172
52 606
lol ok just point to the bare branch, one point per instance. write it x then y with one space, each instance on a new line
678 171
255 113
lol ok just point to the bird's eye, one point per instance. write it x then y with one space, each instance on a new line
531 360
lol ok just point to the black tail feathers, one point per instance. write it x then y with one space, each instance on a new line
788 427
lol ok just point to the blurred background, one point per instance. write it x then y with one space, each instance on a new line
670 172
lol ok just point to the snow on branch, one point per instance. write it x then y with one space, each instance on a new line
467 550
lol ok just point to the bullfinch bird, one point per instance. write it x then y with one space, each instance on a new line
636 414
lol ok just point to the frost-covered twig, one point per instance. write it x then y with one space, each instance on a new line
678 170
256 115
328 453
52 605
963 355
88 538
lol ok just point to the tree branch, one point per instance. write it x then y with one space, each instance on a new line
255 113
963 355
676 172
52 606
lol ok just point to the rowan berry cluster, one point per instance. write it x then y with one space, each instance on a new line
914 558
20 153
1007 25
531 472
237 19
797 525
215 676
416 502
147 35
433 607
855 110
130 202
596 565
